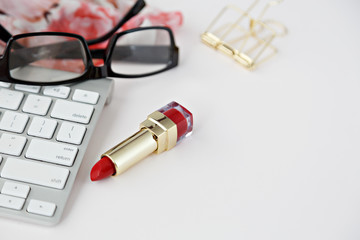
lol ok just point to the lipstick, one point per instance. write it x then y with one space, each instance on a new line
160 132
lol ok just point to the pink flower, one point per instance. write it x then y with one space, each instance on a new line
86 19
169 19
172 20
30 10
89 18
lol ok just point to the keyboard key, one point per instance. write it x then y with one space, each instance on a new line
14 122
59 153
42 127
27 88
10 99
37 104
35 172
1 159
12 144
57 91
5 84
11 202
71 133
15 189
72 111
85 96
41 208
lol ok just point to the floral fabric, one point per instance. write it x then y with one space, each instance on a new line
89 18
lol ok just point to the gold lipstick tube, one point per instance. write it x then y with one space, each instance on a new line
157 133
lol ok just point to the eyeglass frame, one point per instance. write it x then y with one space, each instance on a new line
91 71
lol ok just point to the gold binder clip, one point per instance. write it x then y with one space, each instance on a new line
247 39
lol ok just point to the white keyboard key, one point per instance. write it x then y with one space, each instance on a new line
35 172
10 99
11 202
14 122
41 208
5 84
42 127
37 104
59 153
12 144
72 111
71 133
57 91
85 96
15 189
27 88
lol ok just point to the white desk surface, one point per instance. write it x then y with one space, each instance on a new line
274 154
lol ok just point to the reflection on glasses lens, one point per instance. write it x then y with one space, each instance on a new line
142 52
47 58
2 47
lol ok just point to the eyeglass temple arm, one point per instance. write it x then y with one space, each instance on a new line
137 53
138 6
24 56
4 34
140 54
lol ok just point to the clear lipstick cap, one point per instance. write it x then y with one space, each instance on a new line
181 117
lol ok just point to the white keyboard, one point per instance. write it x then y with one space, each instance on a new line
44 133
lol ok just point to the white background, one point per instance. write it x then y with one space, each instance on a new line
274 153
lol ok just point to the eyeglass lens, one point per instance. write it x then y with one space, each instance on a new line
47 58
142 52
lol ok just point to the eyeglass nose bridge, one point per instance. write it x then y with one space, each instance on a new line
99 72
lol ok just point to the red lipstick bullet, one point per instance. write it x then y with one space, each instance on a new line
158 133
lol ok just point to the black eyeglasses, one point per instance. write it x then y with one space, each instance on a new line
51 58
